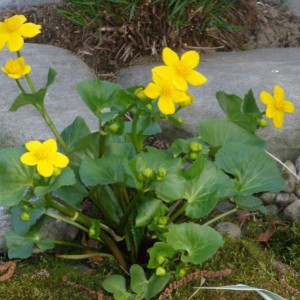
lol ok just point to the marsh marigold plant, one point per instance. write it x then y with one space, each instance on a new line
153 205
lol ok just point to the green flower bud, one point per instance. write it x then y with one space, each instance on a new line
160 271
180 120
114 127
160 259
141 177
195 147
92 232
180 273
25 207
263 123
148 173
140 94
149 106
25 217
193 156
163 220
162 172
159 178
56 172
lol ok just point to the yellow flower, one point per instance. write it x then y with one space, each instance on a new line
13 31
166 93
16 68
188 102
277 105
45 157
181 71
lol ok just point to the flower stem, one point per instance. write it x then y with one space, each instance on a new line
178 212
221 216
283 164
84 256
20 86
137 144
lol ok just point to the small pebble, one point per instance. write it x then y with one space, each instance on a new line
229 229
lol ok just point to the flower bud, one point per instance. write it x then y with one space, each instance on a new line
160 259
195 147
180 273
163 220
160 271
114 127
92 232
162 172
149 106
140 94
25 207
141 177
148 173
193 156
262 123
180 120
25 217
159 178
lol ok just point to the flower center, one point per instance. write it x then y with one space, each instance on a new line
182 69
13 24
13 67
278 105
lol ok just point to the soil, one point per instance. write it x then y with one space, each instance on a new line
262 25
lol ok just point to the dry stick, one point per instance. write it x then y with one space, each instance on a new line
192 276
282 269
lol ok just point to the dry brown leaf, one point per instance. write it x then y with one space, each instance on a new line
8 269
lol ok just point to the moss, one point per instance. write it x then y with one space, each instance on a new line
250 265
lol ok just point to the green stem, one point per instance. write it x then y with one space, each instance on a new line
178 212
84 256
74 245
137 144
102 140
283 164
20 86
221 216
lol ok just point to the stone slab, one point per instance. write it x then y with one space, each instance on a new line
8 4
62 101
236 73
292 5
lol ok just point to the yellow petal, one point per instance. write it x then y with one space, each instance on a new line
196 78
266 98
15 42
58 160
152 91
21 18
30 30
44 168
29 159
288 106
3 35
50 145
170 57
278 93
278 118
166 105
27 69
270 111
164 72
179 96
33 146
190 59
180 83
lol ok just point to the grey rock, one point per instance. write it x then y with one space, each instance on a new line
229 229
292 211
292 5
236 73
5 223
224 206
268 197
9 4
284 199
272 210
297 164
62 101
291 180
297 190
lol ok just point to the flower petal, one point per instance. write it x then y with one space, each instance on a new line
152 91
278 93
190 59
27 69
3 35
196 78
50 145
278 119
29 159
180 83
33 146
288 106
164 72
170 57
44 168
266 98
179 96
166 105
270 111
15 42
30 30
58 160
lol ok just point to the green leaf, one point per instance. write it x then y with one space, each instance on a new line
159 249
19 246
73 133
138 280
51 77
182 146
106 170
203 191
155 285
116 285
21 227
196 242
66 178
97 94
230 104
15 177
147 210
45 244
249 203
250 105
220 132
254 170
